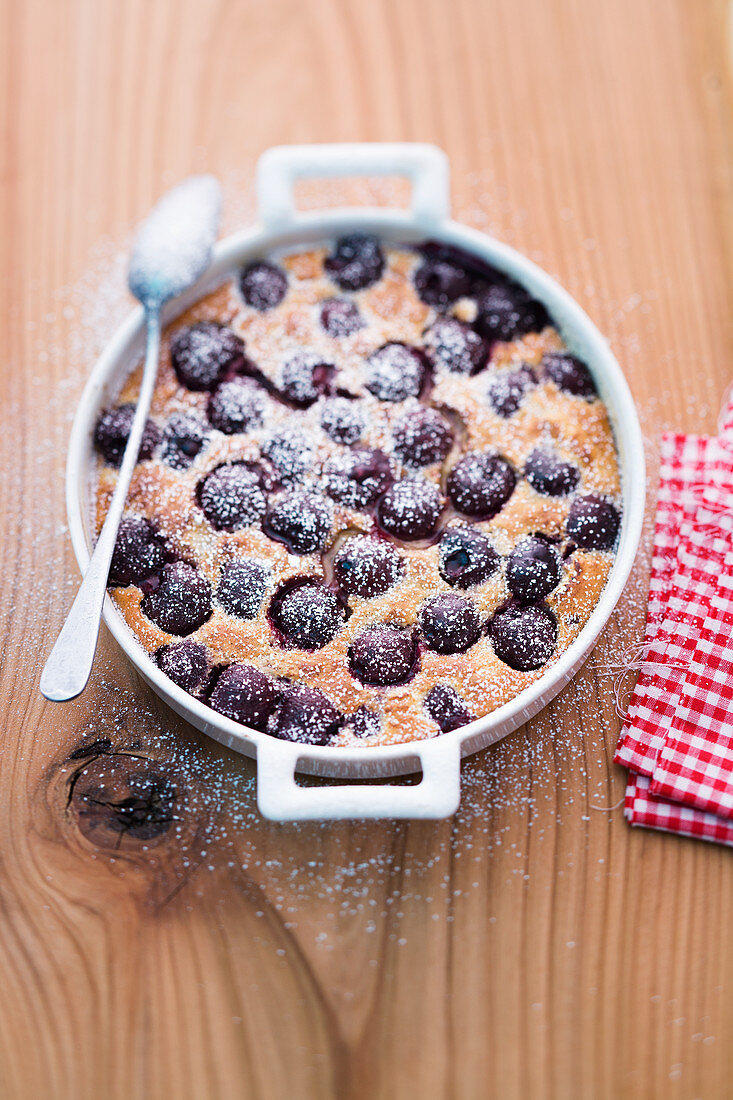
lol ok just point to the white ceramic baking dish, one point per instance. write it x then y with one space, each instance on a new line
280 226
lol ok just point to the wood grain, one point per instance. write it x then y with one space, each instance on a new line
157 937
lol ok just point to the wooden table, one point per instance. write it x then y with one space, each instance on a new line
157 938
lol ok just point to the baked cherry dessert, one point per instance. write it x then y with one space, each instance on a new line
376 496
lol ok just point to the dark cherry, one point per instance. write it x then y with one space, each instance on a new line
362 723
342 419
183 439
445 706
411 510
340 317
506 311
357 478
449 623
232 497
549 475
307 614
203 353
524 637
263 285
356 261
382 655
289 452
533 569
467 557
181 603
301 520
593 523
456 347
395 372
140 551
507 389
569 374
439 281
422 437
112 431
480 484
480 272
367 567
185 663
242 587
304 378
305 714
246 695
236 406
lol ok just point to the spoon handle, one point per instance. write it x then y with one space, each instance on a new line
70 662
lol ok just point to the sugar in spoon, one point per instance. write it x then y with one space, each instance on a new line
171 251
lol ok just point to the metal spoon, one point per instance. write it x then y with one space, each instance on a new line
171 251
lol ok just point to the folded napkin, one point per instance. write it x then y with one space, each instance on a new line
641 807
695 762
677 738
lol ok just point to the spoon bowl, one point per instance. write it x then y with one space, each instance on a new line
173 245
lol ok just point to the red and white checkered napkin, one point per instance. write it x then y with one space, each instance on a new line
677 738
641 807
695 763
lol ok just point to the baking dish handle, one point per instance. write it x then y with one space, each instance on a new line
425 166
280 798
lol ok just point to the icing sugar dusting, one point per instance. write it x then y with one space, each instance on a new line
173 245
342 420
411 506
237 405
289 451
395 372
309 614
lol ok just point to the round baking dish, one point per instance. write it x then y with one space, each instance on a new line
279 796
